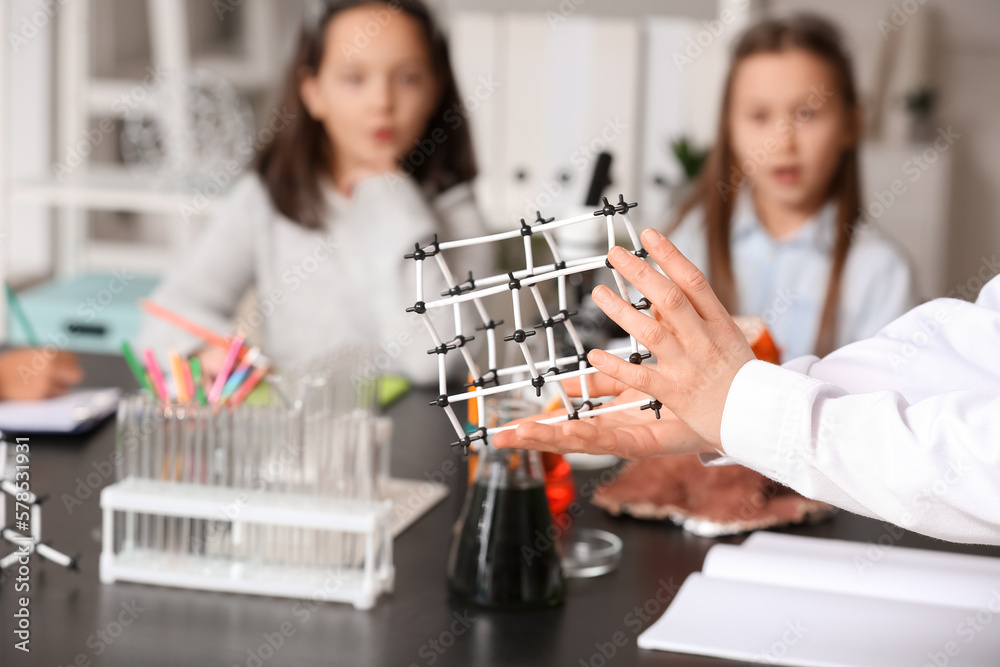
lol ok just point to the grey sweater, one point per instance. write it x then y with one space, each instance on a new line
318 290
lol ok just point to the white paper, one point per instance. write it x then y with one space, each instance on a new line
787 626
791 600
892 573
64 414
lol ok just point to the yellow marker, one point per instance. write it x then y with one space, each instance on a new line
177 370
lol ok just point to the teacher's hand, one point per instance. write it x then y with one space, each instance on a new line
630 434
697 345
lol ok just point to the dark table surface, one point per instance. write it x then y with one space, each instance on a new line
78 621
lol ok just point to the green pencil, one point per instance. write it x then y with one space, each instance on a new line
22 318
199 388
137 370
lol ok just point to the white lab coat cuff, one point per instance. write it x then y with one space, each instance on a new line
765 423
716 458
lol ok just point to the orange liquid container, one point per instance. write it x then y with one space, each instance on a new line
759 338
559 486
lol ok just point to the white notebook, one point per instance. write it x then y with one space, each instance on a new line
73 413
791 600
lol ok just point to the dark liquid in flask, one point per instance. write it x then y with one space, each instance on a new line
489 565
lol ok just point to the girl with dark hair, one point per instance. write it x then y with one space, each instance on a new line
774 220
376 156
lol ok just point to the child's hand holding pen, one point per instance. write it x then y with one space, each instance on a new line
33 374
211 359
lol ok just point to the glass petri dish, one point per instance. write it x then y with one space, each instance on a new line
591 553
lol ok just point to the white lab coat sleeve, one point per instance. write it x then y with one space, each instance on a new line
931 466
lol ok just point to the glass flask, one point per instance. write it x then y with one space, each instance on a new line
495 560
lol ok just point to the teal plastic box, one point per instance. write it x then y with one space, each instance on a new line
92 312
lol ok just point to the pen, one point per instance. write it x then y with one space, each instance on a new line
157 376
240 373
22 318
199 388
177 371
245 389
135 366
227 366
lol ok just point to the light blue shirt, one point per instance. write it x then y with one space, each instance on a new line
784 280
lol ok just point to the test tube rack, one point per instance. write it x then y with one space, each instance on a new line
282 500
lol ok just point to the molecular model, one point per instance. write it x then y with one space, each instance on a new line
27 538
540 371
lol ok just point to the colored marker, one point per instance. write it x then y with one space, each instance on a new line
188 379
199 385
240 373
185 324
157 376
248 386
135 366
22 317
227 367
177 371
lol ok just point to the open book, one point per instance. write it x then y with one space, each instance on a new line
790 600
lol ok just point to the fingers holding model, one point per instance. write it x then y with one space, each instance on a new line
698 348
697 345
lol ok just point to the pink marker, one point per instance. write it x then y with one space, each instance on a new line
227 366
157 376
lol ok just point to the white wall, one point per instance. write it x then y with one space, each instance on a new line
27 253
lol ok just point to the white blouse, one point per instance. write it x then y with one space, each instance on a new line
784 280
904 426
